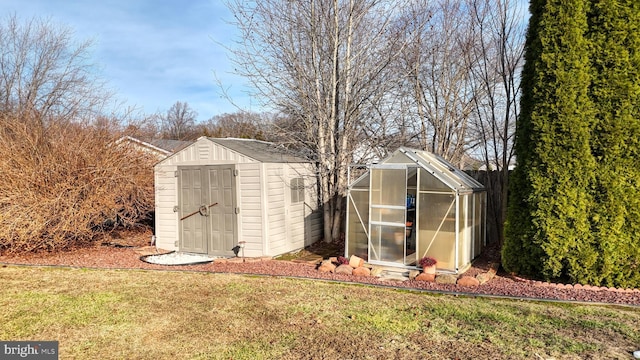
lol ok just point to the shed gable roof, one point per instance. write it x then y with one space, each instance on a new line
259 150
144 146
170 145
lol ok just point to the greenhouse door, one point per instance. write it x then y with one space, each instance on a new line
207 209
388 211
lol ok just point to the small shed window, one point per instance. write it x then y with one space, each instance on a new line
297 190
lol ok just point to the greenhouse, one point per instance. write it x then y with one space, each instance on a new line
415 204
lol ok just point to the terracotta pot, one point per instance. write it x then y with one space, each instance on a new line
429 269
399 237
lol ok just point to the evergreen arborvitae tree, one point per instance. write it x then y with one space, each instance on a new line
614 34
548 230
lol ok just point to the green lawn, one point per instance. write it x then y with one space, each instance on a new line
131 314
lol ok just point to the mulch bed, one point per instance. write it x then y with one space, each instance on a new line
114 255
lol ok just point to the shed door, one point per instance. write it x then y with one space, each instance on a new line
222 217
192 223
207 205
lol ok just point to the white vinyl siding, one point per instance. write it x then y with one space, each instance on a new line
276 216
250 229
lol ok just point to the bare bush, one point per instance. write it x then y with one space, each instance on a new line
67 185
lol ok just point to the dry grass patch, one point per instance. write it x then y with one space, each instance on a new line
160 315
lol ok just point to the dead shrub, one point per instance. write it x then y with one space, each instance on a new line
65 184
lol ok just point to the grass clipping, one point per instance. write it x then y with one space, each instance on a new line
65 184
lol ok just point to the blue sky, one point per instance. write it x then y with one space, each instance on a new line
153 53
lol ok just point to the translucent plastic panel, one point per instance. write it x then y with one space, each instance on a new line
465 223
437 228
398 158
455 177
361 183
388 215
388 186
387 243
358 217
412 177
471 228
429 182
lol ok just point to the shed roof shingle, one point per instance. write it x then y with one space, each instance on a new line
260 150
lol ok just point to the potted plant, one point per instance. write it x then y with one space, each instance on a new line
428 265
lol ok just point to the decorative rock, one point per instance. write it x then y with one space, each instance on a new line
334 259
376 271
413 274
636 354
355 261
483 278
327 266
490 274
344 269
426 277
468 281
446 279
361 271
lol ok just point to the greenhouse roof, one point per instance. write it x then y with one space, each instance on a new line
440 168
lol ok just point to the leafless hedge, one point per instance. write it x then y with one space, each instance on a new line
65 184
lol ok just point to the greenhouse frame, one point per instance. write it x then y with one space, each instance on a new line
415 204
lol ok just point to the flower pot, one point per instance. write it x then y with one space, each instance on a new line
429 269
409 225
398 237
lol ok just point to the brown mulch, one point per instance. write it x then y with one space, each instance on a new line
125 253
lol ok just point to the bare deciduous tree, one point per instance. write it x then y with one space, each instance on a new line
179 121
495 63
323 64
63 182
44 72
69 190
436 76
241 124
355 79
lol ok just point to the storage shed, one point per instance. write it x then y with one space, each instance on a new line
415 204
216 194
